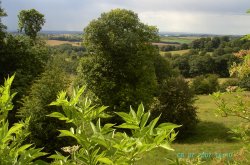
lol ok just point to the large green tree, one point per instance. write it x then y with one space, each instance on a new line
2 26
31 22
119 69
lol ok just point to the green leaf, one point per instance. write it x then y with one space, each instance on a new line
166 146
24 147
68 133
160 138
152 124
144 119
14 129
125 117
60 116
93 127
101 141
168 126
128 126
133 113
105 160
57 157
140 111
40 162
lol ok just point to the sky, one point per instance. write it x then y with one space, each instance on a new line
226 17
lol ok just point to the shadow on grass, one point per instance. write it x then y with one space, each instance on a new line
209 132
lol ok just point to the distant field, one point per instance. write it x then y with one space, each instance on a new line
181 40
57 42
160 44
210 136
180 52
220 80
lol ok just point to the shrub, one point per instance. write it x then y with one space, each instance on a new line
175 104
12 150
103 144
242 70
245 83
241 132
43 129
205 84
228 83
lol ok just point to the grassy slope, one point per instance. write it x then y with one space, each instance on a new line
211 135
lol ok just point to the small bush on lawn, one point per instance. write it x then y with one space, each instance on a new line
175 104
205 84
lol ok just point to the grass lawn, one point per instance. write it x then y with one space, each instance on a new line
211 136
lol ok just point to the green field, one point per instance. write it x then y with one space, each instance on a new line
181 40
211 135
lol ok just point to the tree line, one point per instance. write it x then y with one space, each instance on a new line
209 56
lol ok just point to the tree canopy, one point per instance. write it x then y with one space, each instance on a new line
31 22
120 66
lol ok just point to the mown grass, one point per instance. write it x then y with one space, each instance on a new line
211 135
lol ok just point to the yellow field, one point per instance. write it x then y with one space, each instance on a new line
57 42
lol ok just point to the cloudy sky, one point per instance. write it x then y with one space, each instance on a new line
194 16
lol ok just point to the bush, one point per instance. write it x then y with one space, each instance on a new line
230 82
245 83
175 104
205 84
12 149
99 144
43 129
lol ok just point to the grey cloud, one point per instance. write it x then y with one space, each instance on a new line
168 15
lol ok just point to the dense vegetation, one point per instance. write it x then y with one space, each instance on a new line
124 69
119 67
209 56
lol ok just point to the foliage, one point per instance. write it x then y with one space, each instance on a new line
242 70
211 55
239 109
2 26
12 150
200 65
163 69
43 129
119 69
69 49
175 104
31 22
245 83
19 55
205 84
229 83
99 144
